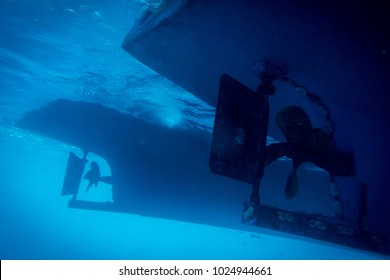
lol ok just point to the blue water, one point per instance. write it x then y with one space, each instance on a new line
71 49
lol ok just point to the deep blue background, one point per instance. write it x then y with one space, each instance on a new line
72 50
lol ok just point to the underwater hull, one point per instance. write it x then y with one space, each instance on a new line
156 174
156 171
334 55
193 42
